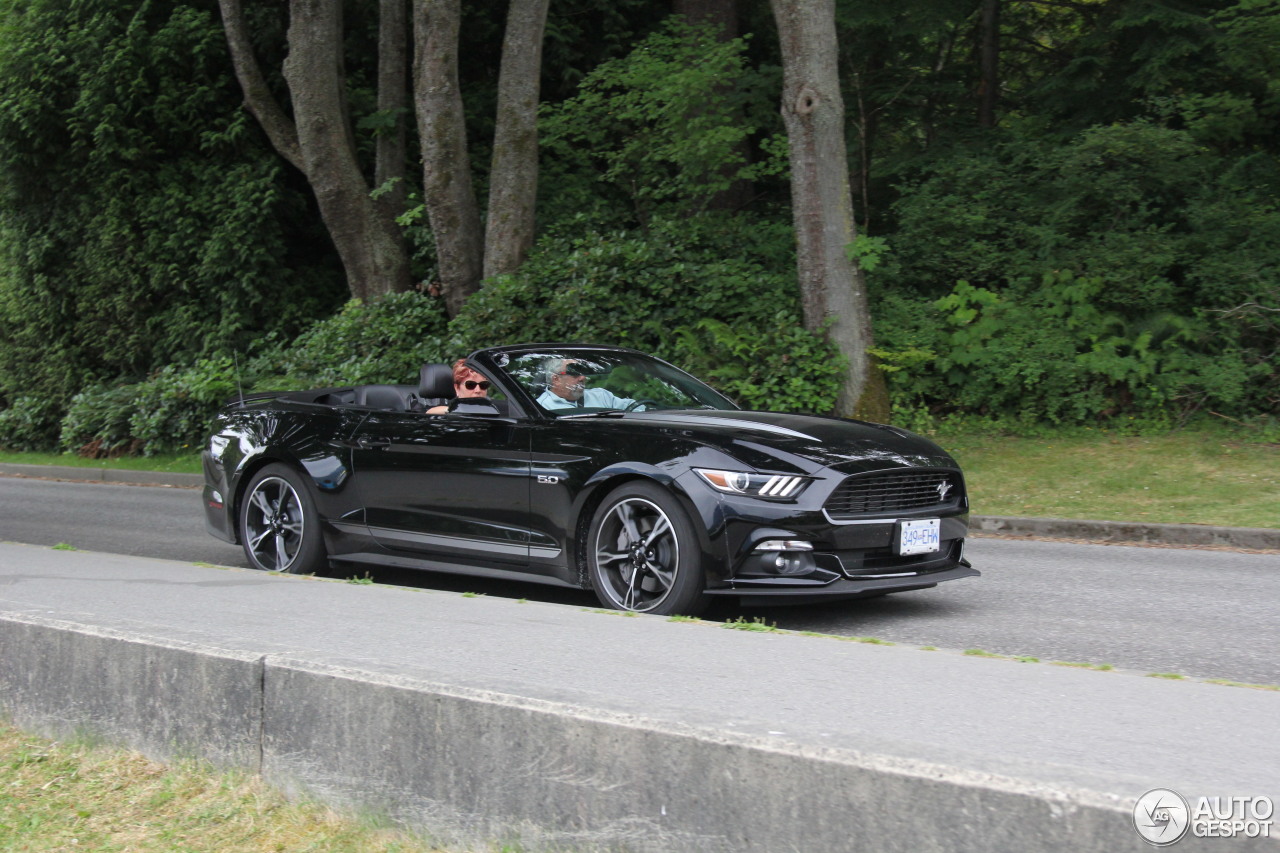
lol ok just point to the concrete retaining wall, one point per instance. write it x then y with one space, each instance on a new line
162 699
476 768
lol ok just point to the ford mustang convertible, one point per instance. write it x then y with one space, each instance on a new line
585 466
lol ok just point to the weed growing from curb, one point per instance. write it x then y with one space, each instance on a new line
1227 683
741 623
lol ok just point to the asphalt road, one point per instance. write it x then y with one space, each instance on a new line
1198 613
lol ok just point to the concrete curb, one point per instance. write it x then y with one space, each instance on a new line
1129 532
1126 532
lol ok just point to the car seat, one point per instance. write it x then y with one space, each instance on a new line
435 386
380 397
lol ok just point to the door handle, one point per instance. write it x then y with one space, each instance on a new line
364 442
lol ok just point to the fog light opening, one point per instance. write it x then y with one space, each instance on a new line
789 556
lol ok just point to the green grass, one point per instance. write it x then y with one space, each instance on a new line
1189 477
1202 476
67 796
187 463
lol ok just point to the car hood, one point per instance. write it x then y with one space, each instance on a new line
805 443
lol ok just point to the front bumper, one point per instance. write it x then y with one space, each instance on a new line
797 552
781 592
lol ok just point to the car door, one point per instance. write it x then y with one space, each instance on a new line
452 489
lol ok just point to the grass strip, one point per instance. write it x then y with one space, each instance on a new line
57 796
1202 476
1191 477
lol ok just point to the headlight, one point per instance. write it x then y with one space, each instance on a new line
776 486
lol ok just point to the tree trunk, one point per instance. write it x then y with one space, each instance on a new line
393 100
320 142
722 15
989 88
447 190
257 96
831 286
513 182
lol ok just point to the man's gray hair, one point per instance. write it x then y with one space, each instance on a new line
552 366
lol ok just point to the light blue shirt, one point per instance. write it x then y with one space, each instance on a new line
596 398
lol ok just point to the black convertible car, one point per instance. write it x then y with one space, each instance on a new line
585 466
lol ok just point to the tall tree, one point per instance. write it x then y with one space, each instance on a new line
447 190
390 169
513 182
989 63
721 16
320 141
832 290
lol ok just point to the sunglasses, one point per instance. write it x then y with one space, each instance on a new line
572 370
471 384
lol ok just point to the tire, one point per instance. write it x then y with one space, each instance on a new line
643 553
279 524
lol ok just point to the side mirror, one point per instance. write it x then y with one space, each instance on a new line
482 406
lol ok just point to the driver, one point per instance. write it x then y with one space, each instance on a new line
567 388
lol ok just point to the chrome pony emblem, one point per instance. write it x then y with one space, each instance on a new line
943 488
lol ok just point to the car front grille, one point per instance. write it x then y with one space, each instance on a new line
892 492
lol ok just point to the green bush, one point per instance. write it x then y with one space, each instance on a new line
30 423
384 340
1126 272
1050 354
776 367
144 218
169 412
665 127
174 409
97 422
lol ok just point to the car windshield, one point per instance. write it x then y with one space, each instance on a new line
567 382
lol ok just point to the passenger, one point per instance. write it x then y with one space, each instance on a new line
567 388
466 383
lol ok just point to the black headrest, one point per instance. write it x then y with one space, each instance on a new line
380 397
435 380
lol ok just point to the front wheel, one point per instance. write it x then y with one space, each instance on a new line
279 524
643 553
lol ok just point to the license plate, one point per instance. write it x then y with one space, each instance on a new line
918 537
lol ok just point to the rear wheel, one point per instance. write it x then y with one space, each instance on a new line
279 525
643 553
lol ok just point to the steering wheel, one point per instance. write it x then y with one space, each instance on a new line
643 401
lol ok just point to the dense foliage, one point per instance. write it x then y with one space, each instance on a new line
142 221
1124 271
1108 249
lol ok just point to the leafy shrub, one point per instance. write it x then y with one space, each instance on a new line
169 412
30 423
778 367
1123 272
1051 354
666 126
173 410
384 340
146 220
97 422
